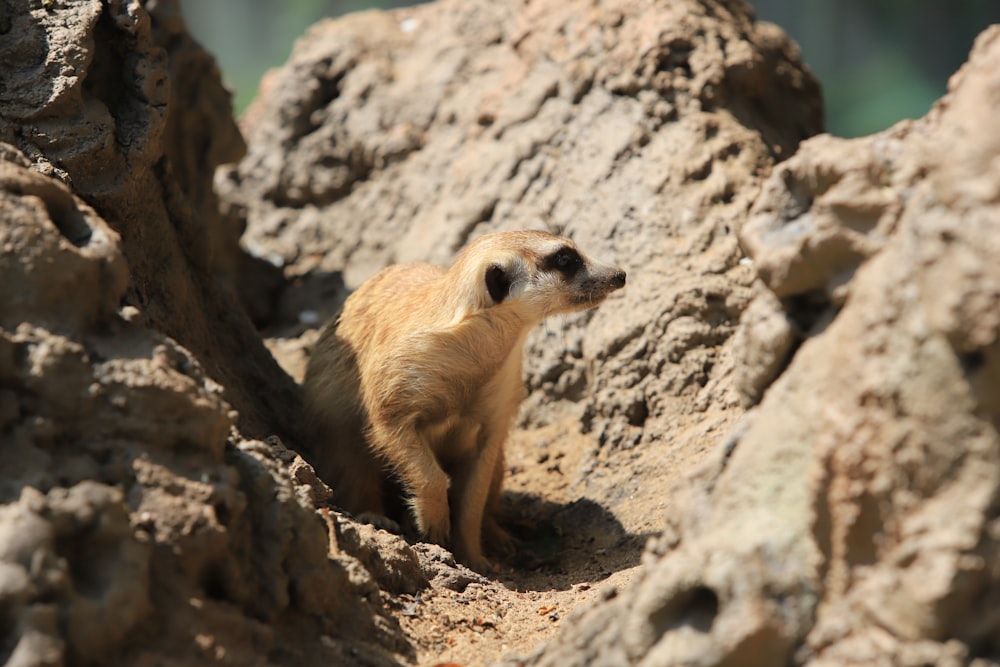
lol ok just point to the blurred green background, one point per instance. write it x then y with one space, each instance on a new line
879 61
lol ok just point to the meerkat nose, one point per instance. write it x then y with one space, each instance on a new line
618 280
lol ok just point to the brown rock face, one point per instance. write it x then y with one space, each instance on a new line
134 520
639 129
854 519
849 517
137 525
98 110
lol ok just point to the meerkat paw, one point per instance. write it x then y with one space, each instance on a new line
497 538
379 521
482 565
433 517
474 560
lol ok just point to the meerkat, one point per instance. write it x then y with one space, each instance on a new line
417 383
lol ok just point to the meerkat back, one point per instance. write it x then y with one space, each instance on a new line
335 423
346 354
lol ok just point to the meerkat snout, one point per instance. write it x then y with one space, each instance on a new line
416 384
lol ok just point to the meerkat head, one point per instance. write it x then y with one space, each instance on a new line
533 273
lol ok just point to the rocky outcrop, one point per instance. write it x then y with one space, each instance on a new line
642 130
846 292
135 522
97 109
852 519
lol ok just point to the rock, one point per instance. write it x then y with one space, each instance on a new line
823 212
854 520
131 525
71 552
440 567
86 250
99 114
641 130
199 134
848 518
137 524
390 560
762 346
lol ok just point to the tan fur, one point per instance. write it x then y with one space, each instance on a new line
419 380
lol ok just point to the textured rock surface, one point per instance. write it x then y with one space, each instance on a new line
850 517
642 130
135 524
853 519
98 111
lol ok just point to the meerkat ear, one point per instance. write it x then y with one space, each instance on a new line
497 283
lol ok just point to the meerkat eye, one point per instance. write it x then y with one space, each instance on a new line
566 260
497 283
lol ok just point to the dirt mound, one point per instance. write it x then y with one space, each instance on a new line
711 468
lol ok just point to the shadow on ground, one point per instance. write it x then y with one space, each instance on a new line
563 544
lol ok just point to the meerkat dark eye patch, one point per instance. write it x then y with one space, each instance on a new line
566 261
497 283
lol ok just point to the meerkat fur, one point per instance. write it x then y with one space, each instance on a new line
418 381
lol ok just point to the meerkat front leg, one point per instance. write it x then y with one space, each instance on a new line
428 485
422 478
